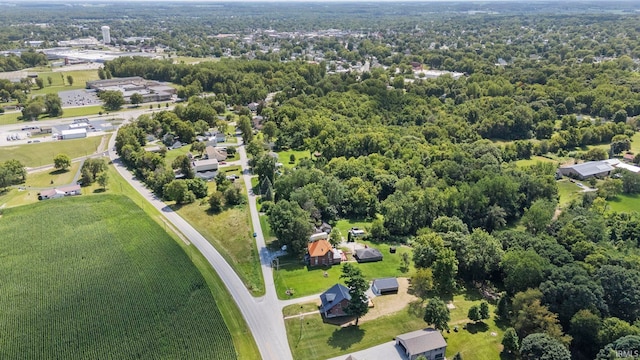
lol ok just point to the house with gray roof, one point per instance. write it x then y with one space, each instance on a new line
427 342
334 301
587 170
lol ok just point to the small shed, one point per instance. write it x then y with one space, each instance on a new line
385 286
368 255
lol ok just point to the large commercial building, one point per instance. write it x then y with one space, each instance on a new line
150 90
106 35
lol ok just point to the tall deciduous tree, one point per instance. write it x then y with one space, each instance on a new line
113 100
542 346
61 161
291 225
437 314
136 99
358 306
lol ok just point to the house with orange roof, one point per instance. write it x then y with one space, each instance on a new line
321 253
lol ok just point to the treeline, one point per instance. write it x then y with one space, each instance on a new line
238 82
26 59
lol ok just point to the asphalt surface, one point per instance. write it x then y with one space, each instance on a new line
262 314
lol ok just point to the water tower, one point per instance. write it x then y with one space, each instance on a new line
106 35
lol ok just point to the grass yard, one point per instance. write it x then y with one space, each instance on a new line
533 160
310 338
12 118
635 143
59 80
342 227
567 191
303 280
52 177
266 229
284 157
231 233
174 153
33 155
109 284
625 203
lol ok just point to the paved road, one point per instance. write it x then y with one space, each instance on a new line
263 314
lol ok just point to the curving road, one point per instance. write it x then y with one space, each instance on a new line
262 314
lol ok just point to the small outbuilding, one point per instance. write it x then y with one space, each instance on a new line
384 286
368 255
427 342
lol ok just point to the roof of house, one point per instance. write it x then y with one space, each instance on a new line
213 153
70 188
319 248
368 253
631 168
590 168
420 341
386 284
333 296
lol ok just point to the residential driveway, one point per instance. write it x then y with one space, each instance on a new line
386 351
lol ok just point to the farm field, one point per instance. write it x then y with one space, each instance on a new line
33 155
109 284
311 338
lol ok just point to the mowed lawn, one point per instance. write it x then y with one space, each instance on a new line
568 191
292 274
533 160
625 203
95 277
310 338
39 154
230 232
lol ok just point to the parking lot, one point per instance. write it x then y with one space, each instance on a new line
80 97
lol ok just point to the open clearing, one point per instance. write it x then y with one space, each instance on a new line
94 277
32 155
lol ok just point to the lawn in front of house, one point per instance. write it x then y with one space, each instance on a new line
303 280
311 338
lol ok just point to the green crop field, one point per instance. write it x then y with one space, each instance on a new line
96 278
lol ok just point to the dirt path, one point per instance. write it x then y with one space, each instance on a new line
103 144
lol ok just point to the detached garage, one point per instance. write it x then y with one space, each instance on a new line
427 342
368 255
385 286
